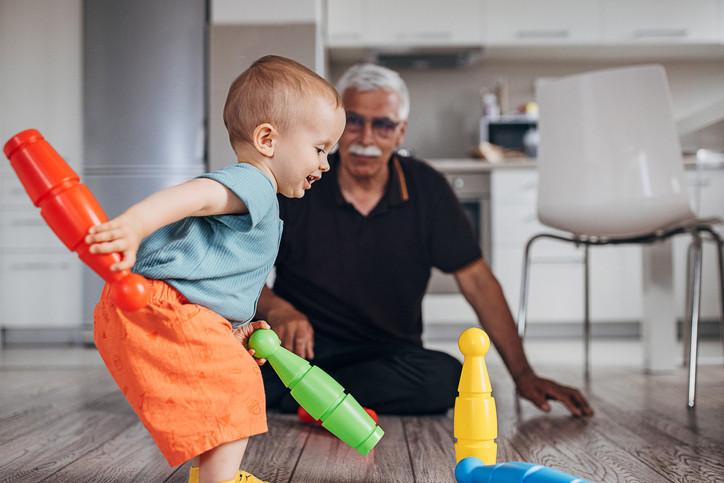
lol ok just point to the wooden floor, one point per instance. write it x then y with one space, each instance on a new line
69 423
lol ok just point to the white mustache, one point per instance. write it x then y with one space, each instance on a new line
361 150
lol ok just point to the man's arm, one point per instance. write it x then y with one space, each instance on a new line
483 292
292 326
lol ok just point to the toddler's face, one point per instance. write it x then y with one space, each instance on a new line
301 154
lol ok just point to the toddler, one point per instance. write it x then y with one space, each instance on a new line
207 246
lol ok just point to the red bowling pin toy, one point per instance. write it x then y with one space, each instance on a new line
70 209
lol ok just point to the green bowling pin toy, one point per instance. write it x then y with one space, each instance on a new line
320 395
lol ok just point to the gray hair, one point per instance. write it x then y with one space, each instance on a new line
371 77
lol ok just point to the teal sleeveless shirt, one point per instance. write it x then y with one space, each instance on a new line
220 261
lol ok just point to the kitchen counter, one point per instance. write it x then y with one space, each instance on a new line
472 165
659 293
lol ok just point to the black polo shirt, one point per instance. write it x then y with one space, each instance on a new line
362 278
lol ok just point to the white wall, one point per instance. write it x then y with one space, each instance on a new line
41 72
445 103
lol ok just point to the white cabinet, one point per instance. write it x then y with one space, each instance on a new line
662 21
531 22
556 277
40 88
346 23
239 12
706 190
580 29
513 206
403 23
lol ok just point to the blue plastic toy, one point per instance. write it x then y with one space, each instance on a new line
472 470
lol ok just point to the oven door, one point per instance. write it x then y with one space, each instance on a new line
473 191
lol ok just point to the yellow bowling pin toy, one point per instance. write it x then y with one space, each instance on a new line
475 423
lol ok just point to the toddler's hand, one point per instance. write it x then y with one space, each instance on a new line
122 234
244 332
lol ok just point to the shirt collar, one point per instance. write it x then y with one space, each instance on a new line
396 191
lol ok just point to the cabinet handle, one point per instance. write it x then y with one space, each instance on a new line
38 266
28 222
543 34
428 35
650 33
346 36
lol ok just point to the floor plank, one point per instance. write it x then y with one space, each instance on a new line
326 459
72 424
431 446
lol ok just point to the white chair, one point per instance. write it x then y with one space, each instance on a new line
611 172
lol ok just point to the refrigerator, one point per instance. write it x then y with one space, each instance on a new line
144 98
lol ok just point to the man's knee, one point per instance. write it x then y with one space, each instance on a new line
441 385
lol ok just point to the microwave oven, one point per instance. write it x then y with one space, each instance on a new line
516 131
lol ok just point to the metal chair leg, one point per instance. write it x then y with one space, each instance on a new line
720 261
694 314
686 327
586 316
720 257
524 282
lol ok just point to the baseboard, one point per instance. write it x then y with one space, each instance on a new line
566 330
83 336
46 336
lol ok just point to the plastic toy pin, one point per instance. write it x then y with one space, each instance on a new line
472 470
318 393
70 209
305 417
475 423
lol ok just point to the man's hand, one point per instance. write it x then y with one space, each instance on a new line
538 391
296 335
293 328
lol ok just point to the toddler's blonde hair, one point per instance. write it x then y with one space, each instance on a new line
276 90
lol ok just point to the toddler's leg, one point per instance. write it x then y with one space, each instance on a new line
221 463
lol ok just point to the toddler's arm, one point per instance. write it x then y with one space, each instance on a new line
197 197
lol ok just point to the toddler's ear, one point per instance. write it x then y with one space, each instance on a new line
265 136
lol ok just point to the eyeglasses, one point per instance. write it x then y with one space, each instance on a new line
381 126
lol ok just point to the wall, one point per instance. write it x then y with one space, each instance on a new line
445 103
40 88
232 49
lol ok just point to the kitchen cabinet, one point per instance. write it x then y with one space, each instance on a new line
239 12
531 22
346 23
662 21
529 29
556 277
706 191
40 88
404 23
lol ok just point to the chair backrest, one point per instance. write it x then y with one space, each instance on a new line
609 158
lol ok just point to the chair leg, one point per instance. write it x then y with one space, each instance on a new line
524 283
694 316
720 257
686 327
586 315
720 261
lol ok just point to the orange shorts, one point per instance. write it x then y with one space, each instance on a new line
191 382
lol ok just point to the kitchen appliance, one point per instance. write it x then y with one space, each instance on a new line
472 188
511 131
144 103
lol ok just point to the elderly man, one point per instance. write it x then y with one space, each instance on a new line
355 260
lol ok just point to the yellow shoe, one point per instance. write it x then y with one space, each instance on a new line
244 477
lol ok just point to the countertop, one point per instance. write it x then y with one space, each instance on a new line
474 165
